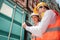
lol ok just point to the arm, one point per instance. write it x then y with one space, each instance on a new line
41 28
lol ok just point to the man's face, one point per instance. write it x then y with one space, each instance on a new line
41 9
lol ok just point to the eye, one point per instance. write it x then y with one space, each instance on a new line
41 7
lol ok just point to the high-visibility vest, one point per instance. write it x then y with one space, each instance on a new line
53 30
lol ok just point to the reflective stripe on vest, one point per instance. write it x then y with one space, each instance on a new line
53 29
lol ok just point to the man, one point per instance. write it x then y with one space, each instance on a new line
47 24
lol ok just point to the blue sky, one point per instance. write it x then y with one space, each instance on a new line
58 1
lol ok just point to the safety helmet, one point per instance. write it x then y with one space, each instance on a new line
34 14
41 4
35 10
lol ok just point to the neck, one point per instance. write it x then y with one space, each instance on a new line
36 23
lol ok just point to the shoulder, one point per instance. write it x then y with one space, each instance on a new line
50 12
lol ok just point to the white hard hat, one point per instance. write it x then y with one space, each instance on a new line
33 14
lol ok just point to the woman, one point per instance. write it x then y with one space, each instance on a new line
36 20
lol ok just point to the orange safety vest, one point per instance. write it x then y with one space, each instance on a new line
53 30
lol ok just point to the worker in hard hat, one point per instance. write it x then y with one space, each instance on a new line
48 28
36 20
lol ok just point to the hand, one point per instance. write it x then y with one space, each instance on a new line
24 25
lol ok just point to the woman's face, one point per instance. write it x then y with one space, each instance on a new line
35 19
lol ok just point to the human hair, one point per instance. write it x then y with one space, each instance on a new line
39 19
46 7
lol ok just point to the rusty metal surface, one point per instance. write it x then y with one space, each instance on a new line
27 4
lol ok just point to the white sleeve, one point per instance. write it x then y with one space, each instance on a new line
41 28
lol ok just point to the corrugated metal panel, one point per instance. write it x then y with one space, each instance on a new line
1 1
6 22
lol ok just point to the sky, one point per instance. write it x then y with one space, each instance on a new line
58 1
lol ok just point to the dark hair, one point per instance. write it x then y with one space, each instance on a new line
38 18
46 7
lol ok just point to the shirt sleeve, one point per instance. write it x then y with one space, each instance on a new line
41 28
